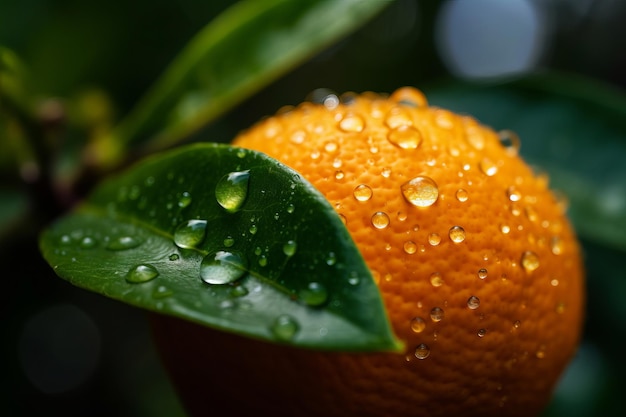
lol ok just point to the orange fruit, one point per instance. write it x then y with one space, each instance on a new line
478 267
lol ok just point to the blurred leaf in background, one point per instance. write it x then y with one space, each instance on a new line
508 63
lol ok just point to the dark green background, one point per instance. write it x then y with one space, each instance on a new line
121 48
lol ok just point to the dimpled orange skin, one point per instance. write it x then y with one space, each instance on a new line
510 287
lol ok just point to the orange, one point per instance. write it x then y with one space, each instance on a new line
478 267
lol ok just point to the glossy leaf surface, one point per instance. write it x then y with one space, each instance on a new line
244 49
572 128
228 238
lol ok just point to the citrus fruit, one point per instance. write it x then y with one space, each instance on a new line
478 267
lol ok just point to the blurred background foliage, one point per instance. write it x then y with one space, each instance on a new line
552 70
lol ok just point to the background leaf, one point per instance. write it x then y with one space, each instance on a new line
288 270
16 113
245 48
573 129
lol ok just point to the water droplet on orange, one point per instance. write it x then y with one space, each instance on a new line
434 239
436 280
380 220
487 167
436 314
556 245
331 147
298 136
405 137
409 96
410 247
398 117
420 191
457 234
422 351
531 214
462 195
510 141
513 194
473 302
530 261
352 123
418 324
362 192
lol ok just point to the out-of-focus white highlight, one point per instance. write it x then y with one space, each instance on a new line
490 38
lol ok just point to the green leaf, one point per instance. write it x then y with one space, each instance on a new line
244 49
13 88
229 238
574 129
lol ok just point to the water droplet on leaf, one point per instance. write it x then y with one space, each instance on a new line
141 273
184 200
222 267
231 190
239 291
123 243
314 294
289 248
189 234
88 242
284 328
353 278
161 292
